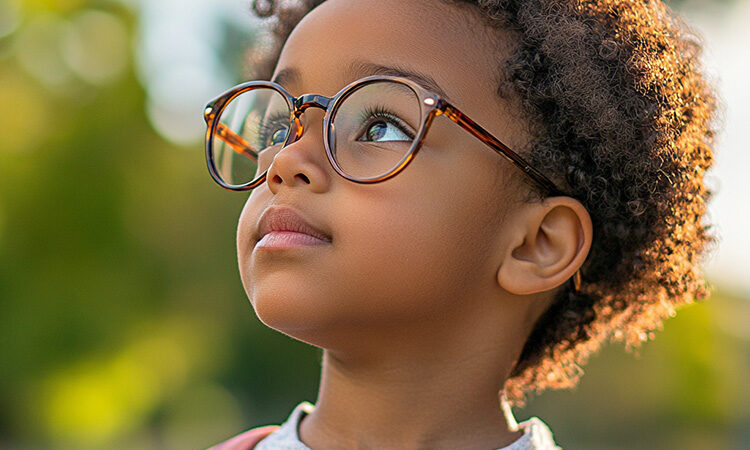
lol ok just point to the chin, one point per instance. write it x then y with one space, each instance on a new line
305 319
289 310
277 312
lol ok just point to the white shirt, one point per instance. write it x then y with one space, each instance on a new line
536 434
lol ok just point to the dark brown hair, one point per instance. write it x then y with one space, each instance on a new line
622 119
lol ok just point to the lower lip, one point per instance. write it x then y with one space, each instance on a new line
288 239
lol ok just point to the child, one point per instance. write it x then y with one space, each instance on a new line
448 271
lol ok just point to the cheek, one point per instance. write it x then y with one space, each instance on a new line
405 258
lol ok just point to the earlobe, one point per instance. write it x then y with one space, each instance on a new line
551 242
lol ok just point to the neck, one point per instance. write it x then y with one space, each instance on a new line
417 396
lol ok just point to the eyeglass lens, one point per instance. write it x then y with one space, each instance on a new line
372 130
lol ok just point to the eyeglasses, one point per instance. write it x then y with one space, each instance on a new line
372 129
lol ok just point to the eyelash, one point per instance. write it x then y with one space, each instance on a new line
268 127
380 112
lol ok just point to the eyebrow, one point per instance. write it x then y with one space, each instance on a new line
286 77
360 69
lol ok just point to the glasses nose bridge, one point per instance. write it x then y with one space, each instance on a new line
310 101
301 104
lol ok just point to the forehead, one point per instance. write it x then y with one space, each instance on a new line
449 45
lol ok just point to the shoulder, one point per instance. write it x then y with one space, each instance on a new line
247 440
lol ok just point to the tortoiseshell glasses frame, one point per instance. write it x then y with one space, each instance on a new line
431 103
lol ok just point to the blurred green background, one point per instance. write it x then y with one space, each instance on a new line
123 323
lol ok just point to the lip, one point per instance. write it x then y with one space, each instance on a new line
285 227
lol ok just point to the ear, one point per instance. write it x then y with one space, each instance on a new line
549 241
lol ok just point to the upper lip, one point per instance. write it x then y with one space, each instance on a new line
285 218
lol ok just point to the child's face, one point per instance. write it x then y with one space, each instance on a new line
418 250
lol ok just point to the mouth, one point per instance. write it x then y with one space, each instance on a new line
288 239
282 227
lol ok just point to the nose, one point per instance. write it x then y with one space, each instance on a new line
303 161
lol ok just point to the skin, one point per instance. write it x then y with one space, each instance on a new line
432 281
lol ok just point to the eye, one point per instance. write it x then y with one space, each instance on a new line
278 137
383 126
273 130
382 131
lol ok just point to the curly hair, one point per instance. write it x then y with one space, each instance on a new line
621 117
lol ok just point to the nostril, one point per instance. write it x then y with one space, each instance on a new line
278 180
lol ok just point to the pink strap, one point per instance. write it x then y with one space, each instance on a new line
247 440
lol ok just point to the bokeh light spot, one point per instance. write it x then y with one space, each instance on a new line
176 100
99 400
96 46
94 402
38 50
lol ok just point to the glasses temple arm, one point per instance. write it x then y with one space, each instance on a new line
235 141
475 129
472 127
